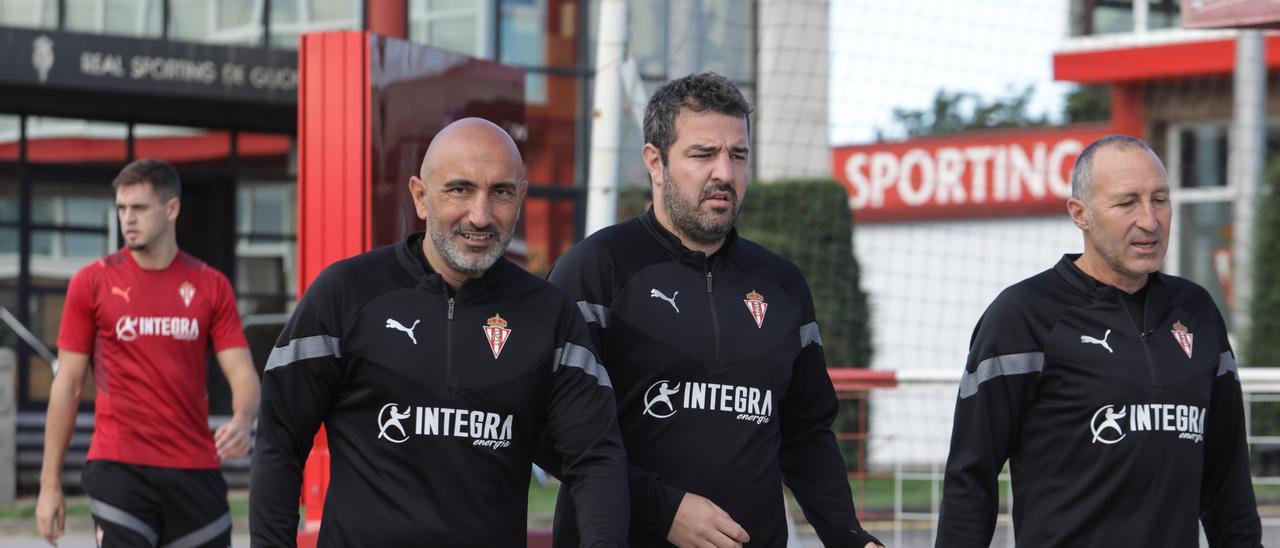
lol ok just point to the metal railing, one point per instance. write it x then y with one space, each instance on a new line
896 434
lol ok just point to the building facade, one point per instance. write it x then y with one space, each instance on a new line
210 86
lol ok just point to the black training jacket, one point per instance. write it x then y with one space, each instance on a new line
434 404
1117 434
721 382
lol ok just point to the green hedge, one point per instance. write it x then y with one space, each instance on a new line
1261 346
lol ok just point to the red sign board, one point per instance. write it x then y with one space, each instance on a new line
1217 14
978 174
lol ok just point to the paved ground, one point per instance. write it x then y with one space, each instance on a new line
16 533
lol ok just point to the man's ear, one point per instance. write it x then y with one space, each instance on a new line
172 208
653 163
418 191
1079 212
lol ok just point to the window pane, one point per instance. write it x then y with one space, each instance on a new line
455 34
44 210
1109 20
10 127
29 13
454 4
1205 248
42 244
133 17
82 15
539 34
334 10
647 20
524 34
236 13
285 11
1204 157
189 20
84 245
8 247
87 211
236 22
552 125
116 17
729 41
463 27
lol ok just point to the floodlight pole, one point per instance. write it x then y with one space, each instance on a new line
1245 165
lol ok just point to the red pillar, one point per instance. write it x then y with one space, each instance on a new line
333 190
387 17
1128 110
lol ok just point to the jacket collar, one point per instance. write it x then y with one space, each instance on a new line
409 255
1154 306
672 244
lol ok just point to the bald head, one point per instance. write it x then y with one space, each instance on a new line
473 142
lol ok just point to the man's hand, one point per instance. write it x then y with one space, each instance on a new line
51 513
700 523
232 439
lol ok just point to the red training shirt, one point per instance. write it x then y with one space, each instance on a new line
148 332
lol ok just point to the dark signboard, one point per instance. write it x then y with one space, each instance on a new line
68 61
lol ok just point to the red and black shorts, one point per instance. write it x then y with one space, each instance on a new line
134 505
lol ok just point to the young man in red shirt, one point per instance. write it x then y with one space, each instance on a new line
147 315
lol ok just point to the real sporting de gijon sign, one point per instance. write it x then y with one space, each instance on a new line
975 174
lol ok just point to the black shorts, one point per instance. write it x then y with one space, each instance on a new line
134 505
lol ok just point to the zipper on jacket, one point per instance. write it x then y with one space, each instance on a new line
715 320
1142 338
448 349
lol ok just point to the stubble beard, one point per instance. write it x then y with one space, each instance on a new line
692 222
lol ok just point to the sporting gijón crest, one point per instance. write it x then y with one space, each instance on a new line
497 333
757 307
1183 336
187 292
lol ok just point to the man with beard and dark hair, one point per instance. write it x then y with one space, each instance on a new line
1109 387
144 319
711 340
437 367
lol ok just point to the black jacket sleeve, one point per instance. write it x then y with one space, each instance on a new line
1228 510
811 463
997 387
301 379
582 428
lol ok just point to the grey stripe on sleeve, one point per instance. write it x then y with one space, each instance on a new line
204 534
107 512
578 356
305 348
594 313
996 366
1227 364
809 334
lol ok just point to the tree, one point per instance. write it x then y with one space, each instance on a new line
1260 343
1088 104
963 111
955 111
